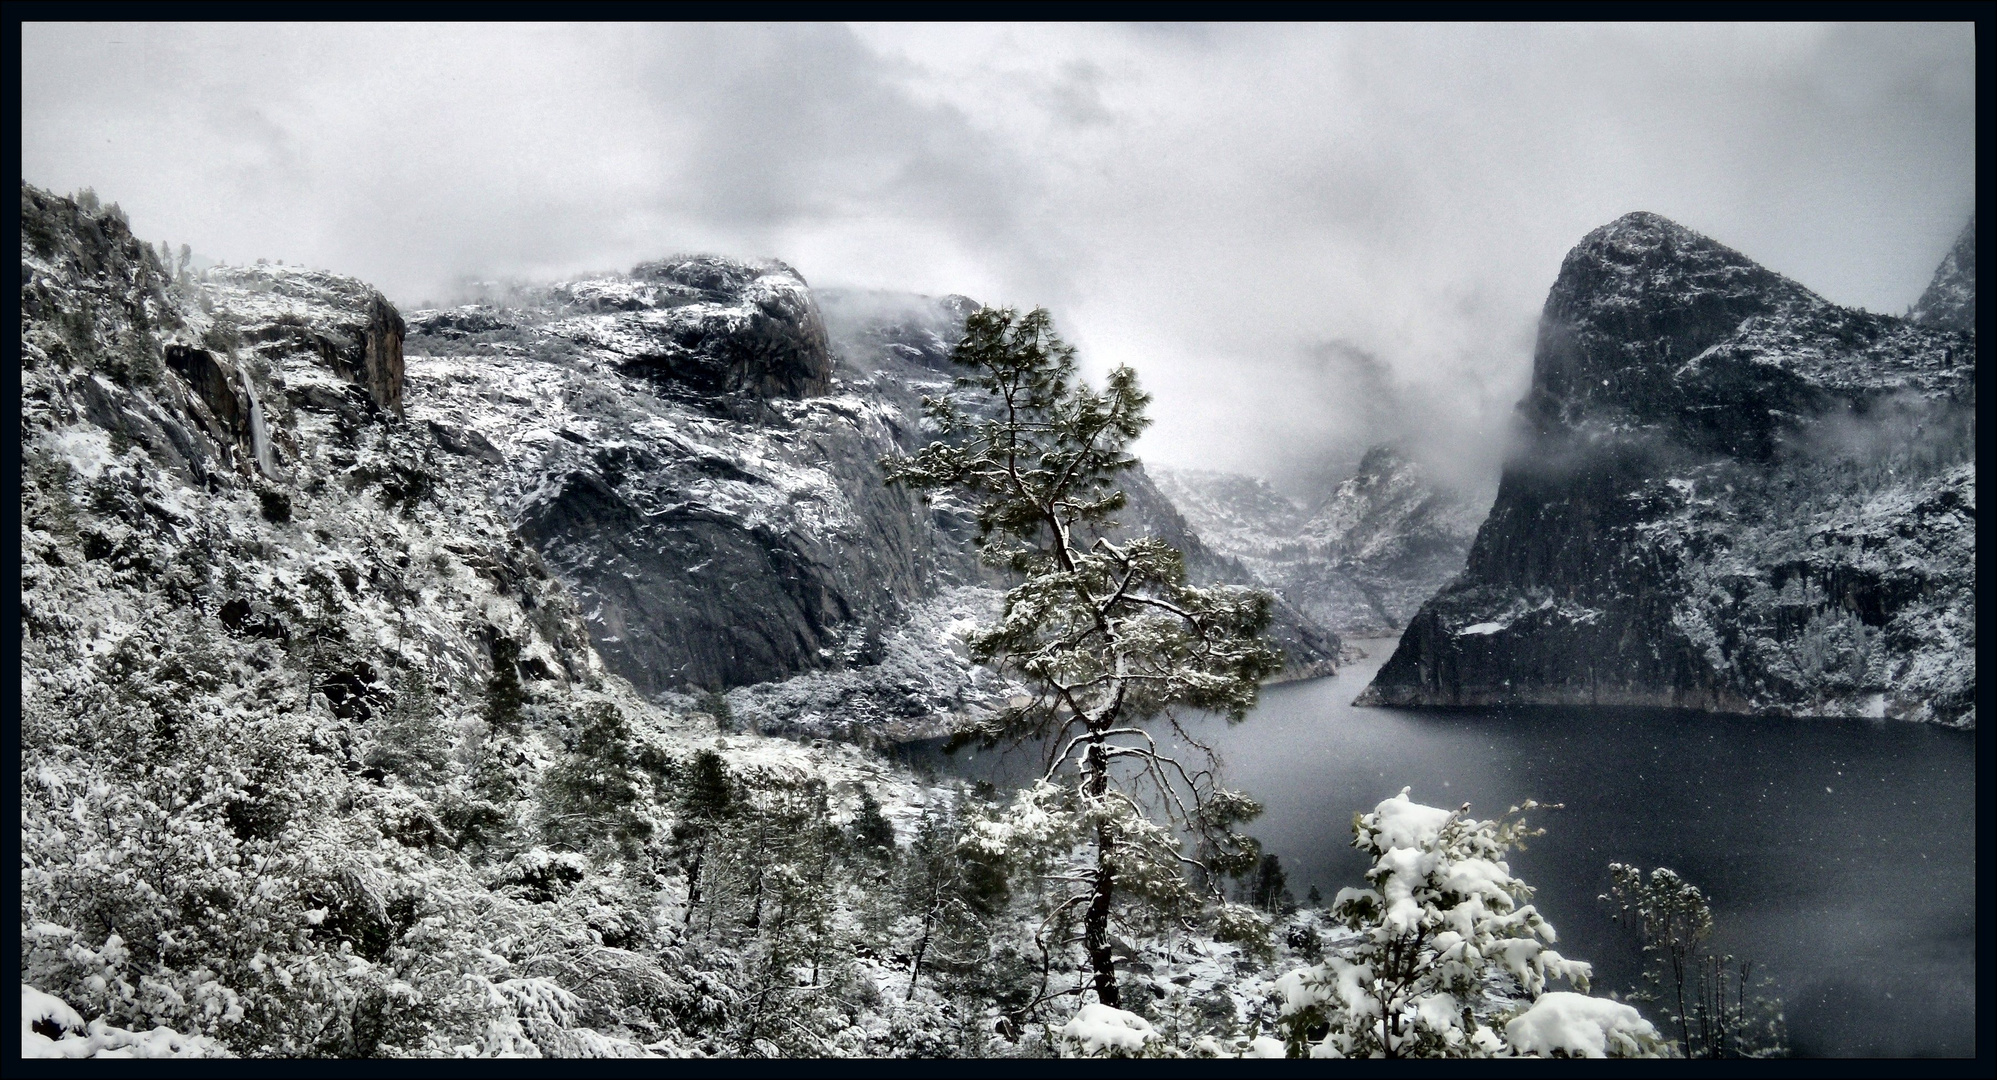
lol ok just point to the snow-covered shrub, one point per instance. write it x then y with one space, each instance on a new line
1443 925
51 1029
1241 924
1561 1023
1101 1031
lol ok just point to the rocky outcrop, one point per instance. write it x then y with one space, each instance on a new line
707 331
1949 301
1362 562
245 495
674 443
278 311
695 449
1729 494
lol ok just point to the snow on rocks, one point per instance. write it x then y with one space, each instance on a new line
1100 1029
754 536
51 1029
1360 562
1737 496
1561 1023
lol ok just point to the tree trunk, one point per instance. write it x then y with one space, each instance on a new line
756 889
1095 926
693 880
915 968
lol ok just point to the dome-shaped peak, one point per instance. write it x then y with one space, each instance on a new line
1637 298
1649 258
1643 221
713 273
1641 236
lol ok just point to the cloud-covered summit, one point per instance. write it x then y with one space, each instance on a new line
1242 212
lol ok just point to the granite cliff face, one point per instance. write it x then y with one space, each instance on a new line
280 311
1362 561
672 442
222 456
694 448
1729 494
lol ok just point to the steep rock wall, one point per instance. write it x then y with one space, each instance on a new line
695 448
1729 495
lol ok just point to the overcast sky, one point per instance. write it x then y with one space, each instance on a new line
1302 237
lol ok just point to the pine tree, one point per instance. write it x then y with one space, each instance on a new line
503 693
775 884
407 739
706 800
873 834
1269 888
1109 633
593 792
952 894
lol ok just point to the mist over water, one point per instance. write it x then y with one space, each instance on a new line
1839 856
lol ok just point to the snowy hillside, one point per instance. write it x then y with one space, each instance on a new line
318 758
301 709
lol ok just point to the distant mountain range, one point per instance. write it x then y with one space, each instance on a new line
1361 561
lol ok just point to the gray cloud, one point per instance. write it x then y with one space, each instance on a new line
1305 238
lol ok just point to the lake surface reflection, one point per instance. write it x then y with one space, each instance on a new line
1840 856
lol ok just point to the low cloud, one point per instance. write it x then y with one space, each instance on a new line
1305 238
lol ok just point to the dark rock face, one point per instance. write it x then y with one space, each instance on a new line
673 443
736 328
747 560
1950 299
1730 495
215 383
726 521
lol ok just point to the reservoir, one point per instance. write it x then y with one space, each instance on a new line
1838 855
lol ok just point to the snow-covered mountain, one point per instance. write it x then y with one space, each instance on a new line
300 704
1361 561
695 449
319 756
1732 495
1949 302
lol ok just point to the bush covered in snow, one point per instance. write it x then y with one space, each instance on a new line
1447 940
1561 1023
51 1029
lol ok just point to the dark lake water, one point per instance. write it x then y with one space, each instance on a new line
1839 856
